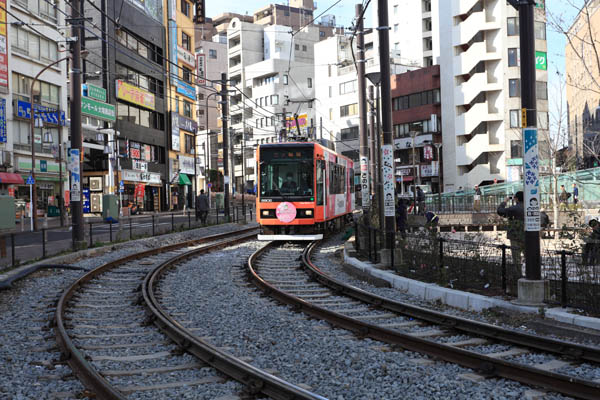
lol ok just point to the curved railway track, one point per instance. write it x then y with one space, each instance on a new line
104 324
286 273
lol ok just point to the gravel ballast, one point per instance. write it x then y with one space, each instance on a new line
332 362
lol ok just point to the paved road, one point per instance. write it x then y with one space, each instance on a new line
28 245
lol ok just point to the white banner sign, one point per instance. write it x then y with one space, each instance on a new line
140 165
387 159
531 177
364 182
186 164
74 167
137 176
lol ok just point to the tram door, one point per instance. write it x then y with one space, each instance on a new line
321 185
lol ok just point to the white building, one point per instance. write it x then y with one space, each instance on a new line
34 43
480 91
272 73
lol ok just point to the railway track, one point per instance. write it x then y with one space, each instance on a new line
286 273
106 328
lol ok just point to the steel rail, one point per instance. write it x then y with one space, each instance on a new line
487 366
256 380
76 359
573 351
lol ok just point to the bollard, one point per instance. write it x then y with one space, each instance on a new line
189 220
172 222
503 268
250 213
12 248
91 236
130 232
43 242
110 229
217 215
45 224
22 221
563 278
153 224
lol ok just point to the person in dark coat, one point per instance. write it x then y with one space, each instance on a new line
515 231
591 249
420 200
202 207
401 217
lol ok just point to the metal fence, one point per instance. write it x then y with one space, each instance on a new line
17 248
488 268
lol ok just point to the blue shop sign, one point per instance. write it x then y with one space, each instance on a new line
2 120
86 201
47 114
186 89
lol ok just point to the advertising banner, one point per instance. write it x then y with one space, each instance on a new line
201 69
2 120
532 182
175 145
74 167
387 160
135 95
302 121
48 115
3 47
364 182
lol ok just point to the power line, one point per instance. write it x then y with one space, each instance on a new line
315 18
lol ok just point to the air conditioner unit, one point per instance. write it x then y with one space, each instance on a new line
96 202
96 183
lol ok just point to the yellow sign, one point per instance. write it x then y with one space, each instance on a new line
134 95
302 122
523 118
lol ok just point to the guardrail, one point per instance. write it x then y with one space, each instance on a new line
17 248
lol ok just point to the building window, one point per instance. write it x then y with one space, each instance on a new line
330 91
395 10
350 109
309 82
297 47
349 133
187 109
143 48
516 149
140 116
515 118
304 48
30 44
541 90
348 87
513 26
322 34
514 87
212 53
285 79
186 74
331 114
329 70
395 28
543 121
513 57
540 30
186 42
185 8
189 144
275 99
44 93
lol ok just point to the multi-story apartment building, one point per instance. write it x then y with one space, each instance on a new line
480 88
30 27
124 105
414 31
181 89
583 87
211 62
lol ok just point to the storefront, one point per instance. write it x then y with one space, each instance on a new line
186 175
46 180
142 189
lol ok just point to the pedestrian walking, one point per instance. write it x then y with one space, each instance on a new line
420 201
591 249
401 218
477 199
575 195
515 232
563 198
202 207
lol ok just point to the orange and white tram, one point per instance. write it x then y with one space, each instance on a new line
304 189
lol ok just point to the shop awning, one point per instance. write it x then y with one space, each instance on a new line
7 178
404 179
184 180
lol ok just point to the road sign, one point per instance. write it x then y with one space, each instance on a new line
523 118
30 180
210 185
121 186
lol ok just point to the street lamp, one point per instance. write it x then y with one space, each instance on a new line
33 196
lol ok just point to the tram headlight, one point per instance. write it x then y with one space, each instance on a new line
265 213
308 213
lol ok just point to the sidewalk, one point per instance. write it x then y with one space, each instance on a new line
455 298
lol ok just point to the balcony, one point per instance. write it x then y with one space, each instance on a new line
466 61
468 121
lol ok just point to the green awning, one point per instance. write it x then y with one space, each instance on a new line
184 180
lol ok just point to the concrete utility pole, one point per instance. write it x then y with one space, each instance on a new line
362 110
372 147
532 288
283 125
225 141
387 149
76 134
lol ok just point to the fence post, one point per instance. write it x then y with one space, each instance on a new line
369 241
91 236
189 220
152 224
441 254
110 229
172 222
563 278
356 236
503 268
12 248
217 211
43 242
130 233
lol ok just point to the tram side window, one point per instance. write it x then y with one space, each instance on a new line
320 183
337 178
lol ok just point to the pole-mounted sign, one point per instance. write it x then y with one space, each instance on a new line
532 182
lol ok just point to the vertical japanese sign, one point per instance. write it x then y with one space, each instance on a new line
74 168
175 145
3 47
531 178
387 159
201 68
2 120
364 182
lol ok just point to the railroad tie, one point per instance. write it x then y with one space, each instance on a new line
511 352
171 385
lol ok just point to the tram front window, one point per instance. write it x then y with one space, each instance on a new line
286 174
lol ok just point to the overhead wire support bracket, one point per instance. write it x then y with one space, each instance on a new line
518 3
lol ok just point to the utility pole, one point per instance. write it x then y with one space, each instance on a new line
362 110
387 149
225 127
76 134
321 128
284 125
372 147
531 289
